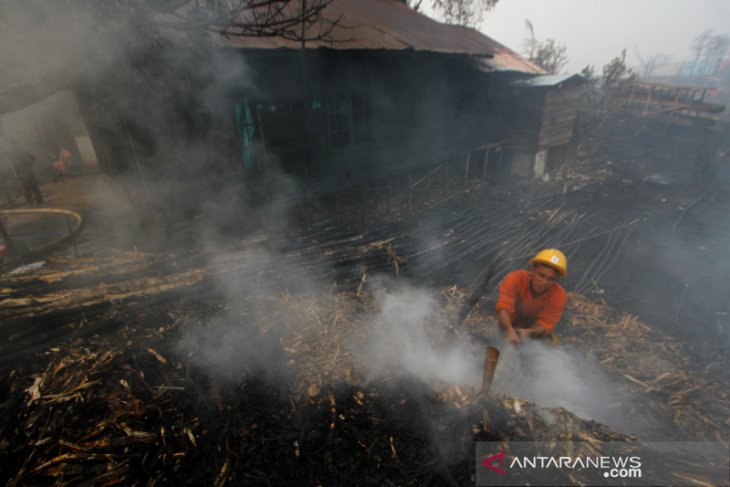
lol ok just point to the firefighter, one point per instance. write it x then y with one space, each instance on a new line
531 302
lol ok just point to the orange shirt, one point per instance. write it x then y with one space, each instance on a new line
525 309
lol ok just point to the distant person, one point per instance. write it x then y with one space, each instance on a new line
68 160
6 175
61 174
22 163
531 302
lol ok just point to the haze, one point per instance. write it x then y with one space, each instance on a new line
596 31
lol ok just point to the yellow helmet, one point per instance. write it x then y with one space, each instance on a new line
553 258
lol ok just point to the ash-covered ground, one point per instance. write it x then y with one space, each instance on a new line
324 351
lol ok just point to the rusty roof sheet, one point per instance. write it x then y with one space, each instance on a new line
391 25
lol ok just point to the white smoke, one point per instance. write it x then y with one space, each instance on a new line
558 376
402 338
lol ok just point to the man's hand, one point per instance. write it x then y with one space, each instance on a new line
524 333
513 337
506 322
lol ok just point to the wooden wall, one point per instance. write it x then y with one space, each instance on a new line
421 110
524 118
558 118
333 120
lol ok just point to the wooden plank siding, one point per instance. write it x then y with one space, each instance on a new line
524 119
540 118
395 111
424 109
558 118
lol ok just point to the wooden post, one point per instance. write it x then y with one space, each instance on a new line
466 170
486 163
491 357
428 185
387 197
675 106
73 237
648 100
410 190
362 213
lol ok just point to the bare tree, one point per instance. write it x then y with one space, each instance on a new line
73 36
548 54
617 73
708 46
529 45
462 12
243 18
551 56
650 64
598 107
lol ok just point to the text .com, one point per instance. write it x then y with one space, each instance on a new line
623 473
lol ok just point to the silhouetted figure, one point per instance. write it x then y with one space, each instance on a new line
22 163
6 175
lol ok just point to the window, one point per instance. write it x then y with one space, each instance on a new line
349 119
338 123
362 117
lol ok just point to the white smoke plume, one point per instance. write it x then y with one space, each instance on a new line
558 376
402 338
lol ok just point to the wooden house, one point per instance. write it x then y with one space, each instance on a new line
388 92
540 125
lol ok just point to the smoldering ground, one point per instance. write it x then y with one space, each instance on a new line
406 339
402 336
245 337
561 376
682 257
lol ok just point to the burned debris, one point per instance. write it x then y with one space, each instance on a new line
94 370
330 221
129 405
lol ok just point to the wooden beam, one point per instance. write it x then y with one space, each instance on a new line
410 190
466 169
388 191
73 237
485 164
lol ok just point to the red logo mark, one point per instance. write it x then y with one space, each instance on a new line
487 463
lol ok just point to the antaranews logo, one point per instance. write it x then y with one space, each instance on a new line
614 467
611 466
499 457
558 463
523 466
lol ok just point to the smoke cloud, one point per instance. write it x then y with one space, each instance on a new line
405 338
560 376
245 337
195 173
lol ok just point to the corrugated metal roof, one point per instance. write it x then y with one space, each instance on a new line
550 80
391 25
